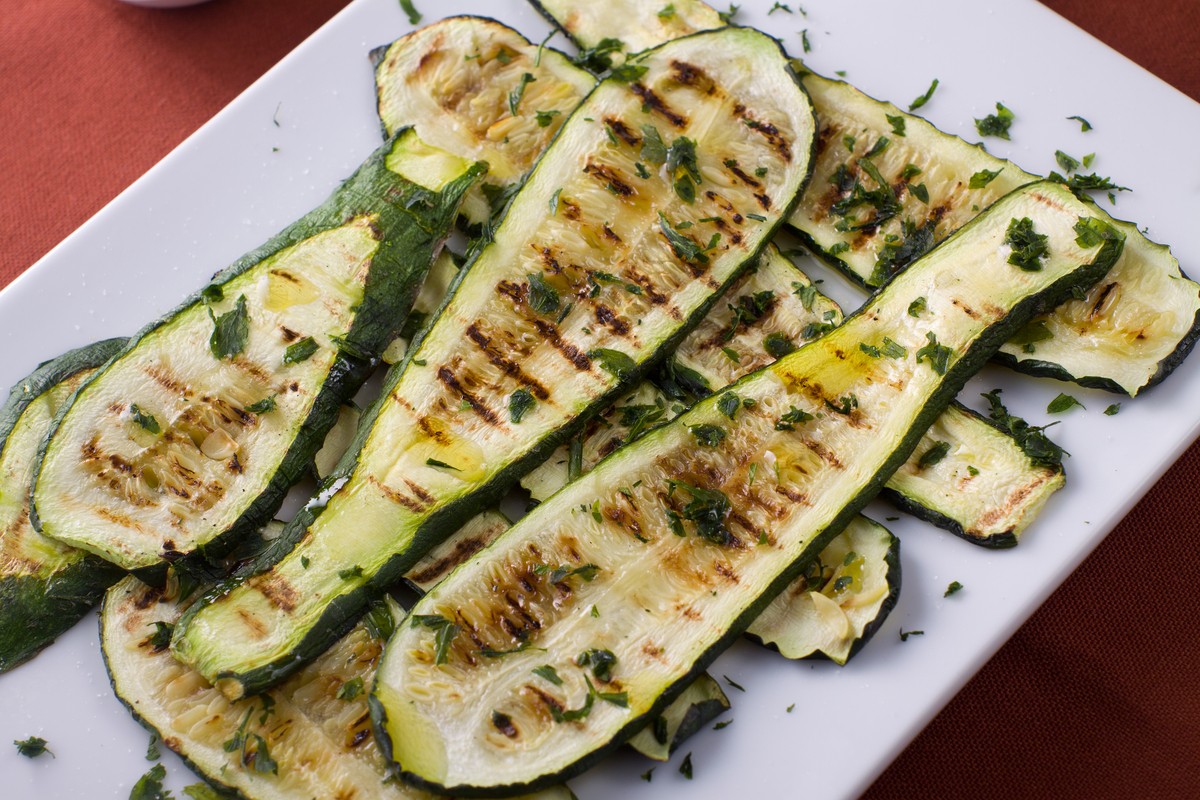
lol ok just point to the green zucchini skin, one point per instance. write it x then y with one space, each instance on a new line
409 223
698 705
39 600
591 387
548 533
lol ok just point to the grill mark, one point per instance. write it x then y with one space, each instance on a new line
463 550
652 294
733 167
437 434
287 276
725 205
253 623
577 357
764 200
548 700
725 571
418 490
288 334
395 496
656 104
611 177
159 375
359 737
514 291
235 465
793 495
966 309
691 75
606 316
571 210
277 591
504 724
1104 293
447 377
548 259
772 135
653 651
622 131
505 365
119 519
719 338
611 235
824 453
1011 502
250 368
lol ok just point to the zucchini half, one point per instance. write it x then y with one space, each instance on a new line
45 586
663 536
595 270
193 433
985 489
315 727
1124 335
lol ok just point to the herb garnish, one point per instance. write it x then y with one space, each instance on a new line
923 99
897 122
683 169
1065 161
230 330
145 420
779 345
938 451
1084 125
518 403
794 417
264 406
1112 410
446 631
1034 332
549 673
32 747
734 683
983 178
707 509
202 791
350 573
954 586
379 622
150 785
905 634
614 362
1029 247
544 118
408 8
727 16
708 435
161 638
1035 444
599 58
601 662
667 11
1064 402
514 97
845 404
433 462
917 307
351 689
996 124
804 41
807 294
938 354
683 246
542 296
152 751
562 572
300 351
685 767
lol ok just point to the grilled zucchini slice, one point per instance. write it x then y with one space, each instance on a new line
461 82
45 586
191 435
840 601
699 704
828 424
596 268
1125 335
314 728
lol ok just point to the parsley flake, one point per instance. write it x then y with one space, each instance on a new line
1063 403
997 124
230 331
923 99
954 587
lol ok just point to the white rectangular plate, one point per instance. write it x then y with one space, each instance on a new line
227 189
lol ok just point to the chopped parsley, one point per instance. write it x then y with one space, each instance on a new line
750 309
562 572
900 251
984 177
32 747
667 11
202 791
654 149
1065 161
897 122
804 41
350 573
1029 248
264 406
920 192
728 404
614 362
779 7
1112 410
230 331
648 774
794 417
515 96
433 462
1084 125
300 351
722 724
444 629
954 587
734 683
905 634
379 622
683 169
685 766
1063 403
807 293
1091 232
152 751
683 246
408 8
727 16
707 510
708 435
518 403
1032 441
779 345
923 99
544 118
938 354
937 451
599 58
150 785
144 419
161 638
628 73
549 673
844 405
1028 337
917 307
996 124
351 689
543 298
601 662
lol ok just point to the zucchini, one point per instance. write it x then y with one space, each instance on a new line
314 727
1125 335
193 433
478 532
630 27
697 705
595 269
45 587
828 425
840 601
461 83
986 490
987 486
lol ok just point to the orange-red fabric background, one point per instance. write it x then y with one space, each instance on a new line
1077 704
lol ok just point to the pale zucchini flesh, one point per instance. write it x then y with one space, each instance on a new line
1124 335
590 236
315 726
842 599
45 586
190 437
699 704
668 604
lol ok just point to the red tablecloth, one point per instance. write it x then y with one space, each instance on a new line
1077 704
